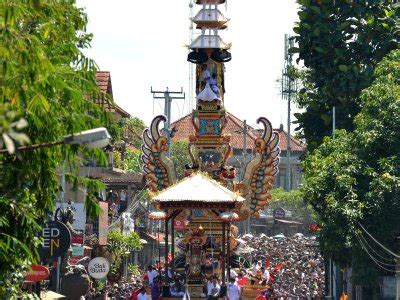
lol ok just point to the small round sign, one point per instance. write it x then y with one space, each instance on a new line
279 212
98 267
37 273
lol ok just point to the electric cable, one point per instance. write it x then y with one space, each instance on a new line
370 235
373 250
373 259
377 260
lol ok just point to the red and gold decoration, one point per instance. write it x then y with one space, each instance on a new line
211 197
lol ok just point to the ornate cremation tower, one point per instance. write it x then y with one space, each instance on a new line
210 198
209 53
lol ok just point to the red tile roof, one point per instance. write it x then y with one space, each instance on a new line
103 80
234 127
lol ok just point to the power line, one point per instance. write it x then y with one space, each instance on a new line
370 235
373 250
373 257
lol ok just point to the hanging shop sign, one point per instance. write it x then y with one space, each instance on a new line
98 267
37 273
103 223
77 239
179 225
56 240
77 250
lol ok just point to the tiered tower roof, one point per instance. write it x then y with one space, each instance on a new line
216 2
210 18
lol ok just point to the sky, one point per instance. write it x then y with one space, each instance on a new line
142 44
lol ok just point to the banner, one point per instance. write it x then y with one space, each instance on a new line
179 225
103 223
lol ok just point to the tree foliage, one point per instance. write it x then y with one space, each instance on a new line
294 202
47 91
119 244
180 156
355 178
126 144
133 162
340 43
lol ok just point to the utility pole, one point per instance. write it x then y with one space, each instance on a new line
333 121
166 95
289 88
248 222
397 276
244 147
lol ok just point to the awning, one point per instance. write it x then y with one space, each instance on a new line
288 222
197 191
49 295
209 42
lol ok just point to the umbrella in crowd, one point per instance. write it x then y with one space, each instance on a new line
295 265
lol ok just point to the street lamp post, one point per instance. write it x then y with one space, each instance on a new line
93 138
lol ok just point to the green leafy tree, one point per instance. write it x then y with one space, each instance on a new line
119 244
49 85
132 161
340 43
180 156
355 178
11 127
293 201
133 129
127 142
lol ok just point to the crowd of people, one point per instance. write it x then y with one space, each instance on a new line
280 267
291 266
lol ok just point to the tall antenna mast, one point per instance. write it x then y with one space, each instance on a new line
289 89
191 83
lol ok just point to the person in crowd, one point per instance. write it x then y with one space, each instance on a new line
256 266
212 81
264 275
213 288
142 294
151 274
135 293
241 280
204 76
155 288
233 292
177 289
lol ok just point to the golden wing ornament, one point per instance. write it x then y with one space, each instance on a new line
158 169
260 172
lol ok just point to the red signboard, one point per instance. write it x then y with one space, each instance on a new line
74 259
37 273
103 223
179 225
77 239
